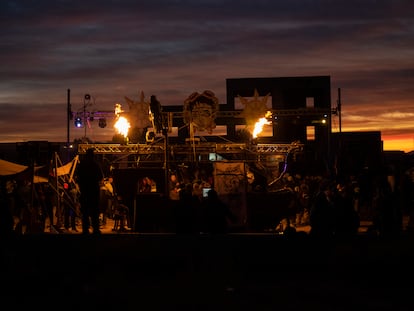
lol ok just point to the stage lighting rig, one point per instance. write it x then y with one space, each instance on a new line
78 122
102 122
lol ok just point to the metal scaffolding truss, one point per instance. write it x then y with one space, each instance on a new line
278 148
220 114
122 149
91 115
197 148
275 112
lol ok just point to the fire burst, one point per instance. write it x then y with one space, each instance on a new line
122 125
258 127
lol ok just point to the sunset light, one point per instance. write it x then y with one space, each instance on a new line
180 55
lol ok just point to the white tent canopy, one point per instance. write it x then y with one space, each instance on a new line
65 169
40 179
10 168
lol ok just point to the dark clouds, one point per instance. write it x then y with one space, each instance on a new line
112 49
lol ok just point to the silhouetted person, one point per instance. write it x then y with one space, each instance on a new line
121 216
107 200
388 220
23 205
217 214
90 176
69 210
186 210
145 185
347 219
322 214
6 216
286 228
48 197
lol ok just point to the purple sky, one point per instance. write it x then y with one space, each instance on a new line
113 49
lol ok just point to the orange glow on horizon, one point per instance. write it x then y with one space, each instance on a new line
398 142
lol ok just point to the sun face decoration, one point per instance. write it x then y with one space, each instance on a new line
200 111
254 109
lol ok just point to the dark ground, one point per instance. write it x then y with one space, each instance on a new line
233 272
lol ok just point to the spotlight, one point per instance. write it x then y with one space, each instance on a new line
78 122
102 122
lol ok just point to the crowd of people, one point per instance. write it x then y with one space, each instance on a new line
62 205
195 212
332 207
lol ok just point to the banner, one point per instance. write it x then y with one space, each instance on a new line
230 184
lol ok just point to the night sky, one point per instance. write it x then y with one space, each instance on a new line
113 49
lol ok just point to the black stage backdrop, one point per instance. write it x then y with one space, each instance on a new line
149 211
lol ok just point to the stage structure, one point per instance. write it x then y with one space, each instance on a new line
199 114
202 136
132 163
155 155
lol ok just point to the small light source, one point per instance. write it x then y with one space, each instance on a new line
102 122
78 122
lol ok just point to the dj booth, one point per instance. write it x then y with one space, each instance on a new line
149 211
153 213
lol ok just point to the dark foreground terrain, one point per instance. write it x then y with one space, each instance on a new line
233 272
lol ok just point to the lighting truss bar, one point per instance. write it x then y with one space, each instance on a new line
94 114
275 112
278 148
199 148
220 114
122 149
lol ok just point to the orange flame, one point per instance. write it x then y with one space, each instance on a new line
122 125
258 127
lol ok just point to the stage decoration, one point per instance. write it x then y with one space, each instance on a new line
137 119
229 180
155 114
138 114
254 111
200 111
